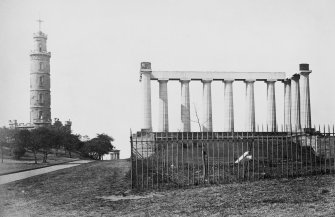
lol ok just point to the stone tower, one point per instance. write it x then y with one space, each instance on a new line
40 100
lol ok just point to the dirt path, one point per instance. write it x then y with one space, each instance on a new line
26 174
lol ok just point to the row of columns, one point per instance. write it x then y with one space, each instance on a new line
293 111
297 105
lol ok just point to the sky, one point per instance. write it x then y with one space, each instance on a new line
97 47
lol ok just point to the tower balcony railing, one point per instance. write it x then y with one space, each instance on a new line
40 34
41 121
36 52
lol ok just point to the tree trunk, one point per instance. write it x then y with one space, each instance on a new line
35 157
70 154
45 157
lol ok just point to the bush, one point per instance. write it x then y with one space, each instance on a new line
18 152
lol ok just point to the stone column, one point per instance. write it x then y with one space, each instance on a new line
185 106
295 103
163 115
287 105
305 102
146 95
250 106
271 121
207 122
228 110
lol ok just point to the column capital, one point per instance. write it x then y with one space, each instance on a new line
163 80
185 80
295 77
228 80
206 80
286 81
270 81
305 72
145 67
303 67
249 80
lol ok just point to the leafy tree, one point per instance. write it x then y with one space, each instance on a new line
58 128
98 146
23 139
45 139
29 139
71 142
2 140
7 136
18 151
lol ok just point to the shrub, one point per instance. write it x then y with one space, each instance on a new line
18 152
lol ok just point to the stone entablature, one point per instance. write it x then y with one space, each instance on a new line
217 75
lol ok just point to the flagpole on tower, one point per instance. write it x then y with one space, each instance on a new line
39 24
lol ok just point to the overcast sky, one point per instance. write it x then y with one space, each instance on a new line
97 47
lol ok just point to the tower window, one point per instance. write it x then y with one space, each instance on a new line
41 98
41 80
40 48
41 66
40 115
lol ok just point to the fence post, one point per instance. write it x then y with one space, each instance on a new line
131 159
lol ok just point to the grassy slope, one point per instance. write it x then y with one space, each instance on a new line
27 161
74 192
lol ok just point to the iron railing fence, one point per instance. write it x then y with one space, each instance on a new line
178 159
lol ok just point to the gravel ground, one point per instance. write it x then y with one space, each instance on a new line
101 189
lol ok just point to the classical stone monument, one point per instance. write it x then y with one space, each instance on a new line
297 108
40 112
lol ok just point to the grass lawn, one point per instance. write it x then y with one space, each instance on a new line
77 191
26 162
